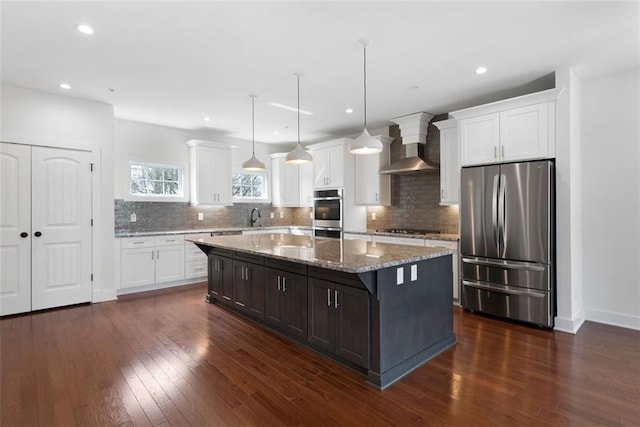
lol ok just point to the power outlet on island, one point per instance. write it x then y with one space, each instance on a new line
399 275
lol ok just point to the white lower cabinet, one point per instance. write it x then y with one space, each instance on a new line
399 240
150 260
195 261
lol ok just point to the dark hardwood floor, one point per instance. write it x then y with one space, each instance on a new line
167 358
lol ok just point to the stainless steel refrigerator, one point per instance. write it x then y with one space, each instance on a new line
507 240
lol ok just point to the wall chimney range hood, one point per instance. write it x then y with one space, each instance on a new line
413 129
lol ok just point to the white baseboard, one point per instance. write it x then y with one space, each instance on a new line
103 296
571 326
610 318
157 286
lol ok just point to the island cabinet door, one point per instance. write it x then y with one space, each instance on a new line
220 278
241 286
322 319
294 289
226 278
274 298
255 276
352 324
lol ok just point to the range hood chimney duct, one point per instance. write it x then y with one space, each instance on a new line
413 129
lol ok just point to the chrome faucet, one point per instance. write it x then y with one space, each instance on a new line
254 220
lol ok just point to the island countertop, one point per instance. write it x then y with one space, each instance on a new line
350 256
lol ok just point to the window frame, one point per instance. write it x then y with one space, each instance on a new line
182 180
266 193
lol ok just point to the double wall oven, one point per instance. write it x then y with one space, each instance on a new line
327 213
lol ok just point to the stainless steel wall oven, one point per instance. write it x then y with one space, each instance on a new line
327 213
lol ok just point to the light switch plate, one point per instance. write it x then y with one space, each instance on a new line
399 275
373 216
273 215
414 272
134 217
200 216
281 214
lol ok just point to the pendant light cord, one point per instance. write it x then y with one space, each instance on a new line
298 78
253 126
364 48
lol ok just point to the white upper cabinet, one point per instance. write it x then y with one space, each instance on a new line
371 188
291 184
521 128
449 162
328 164
210 173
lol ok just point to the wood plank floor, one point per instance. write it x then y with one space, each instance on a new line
166 358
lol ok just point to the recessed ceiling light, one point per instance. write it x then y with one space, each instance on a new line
349 110
207 119
85 29
276 132
286 107
481 70
65 86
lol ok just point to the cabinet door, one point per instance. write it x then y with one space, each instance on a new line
479 139
138 267
523 133
169 263
226 278
336 166
321 168
306 184
449 167
321 315
214 281
241 286
274 310
205 191
222 176
289 184
255 276
352 324
371 188
294 289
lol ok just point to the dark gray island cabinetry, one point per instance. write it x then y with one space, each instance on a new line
382 309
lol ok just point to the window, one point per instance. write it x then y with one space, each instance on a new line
249 185
156 180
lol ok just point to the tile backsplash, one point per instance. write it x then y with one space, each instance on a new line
166 216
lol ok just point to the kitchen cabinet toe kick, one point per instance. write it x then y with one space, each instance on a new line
383 323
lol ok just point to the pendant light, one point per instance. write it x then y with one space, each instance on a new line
365 143
298 155
253 164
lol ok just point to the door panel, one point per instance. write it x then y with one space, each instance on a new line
15 218
61 212
352 341
321 317
274 298
169 263
295 291
527 211
478 210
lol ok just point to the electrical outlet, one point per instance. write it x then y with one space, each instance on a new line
310 215
373 216
399 275
200 216
281 214
273 215
134 218
414 272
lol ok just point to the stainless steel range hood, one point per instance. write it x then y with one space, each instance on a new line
413 129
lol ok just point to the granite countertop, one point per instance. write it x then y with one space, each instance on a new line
431 236
351 256
204 230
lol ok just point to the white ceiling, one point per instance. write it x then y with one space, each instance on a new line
172 63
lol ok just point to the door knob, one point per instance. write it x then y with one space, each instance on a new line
24 234
37 234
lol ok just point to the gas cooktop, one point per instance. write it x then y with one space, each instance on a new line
407 231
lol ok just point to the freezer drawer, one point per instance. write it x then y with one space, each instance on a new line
511 273
526 305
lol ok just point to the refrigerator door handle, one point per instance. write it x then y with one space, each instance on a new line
515 265
502 229
504 290
494 211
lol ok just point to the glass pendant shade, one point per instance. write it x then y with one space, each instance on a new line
365 144
253 164
298 155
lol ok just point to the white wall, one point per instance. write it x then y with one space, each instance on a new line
148 142
40 118
611 198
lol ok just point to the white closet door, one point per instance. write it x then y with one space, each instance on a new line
15 219
61 225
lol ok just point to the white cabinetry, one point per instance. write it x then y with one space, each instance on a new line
449 162
328 164
356 236
291 184
195 261
371 188
210 173
150 260
399 240
521 128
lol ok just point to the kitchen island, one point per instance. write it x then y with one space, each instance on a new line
382 309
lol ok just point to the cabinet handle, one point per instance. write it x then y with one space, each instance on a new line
240 304
284 284
376 197
335 298
242 273
158 257
502 151
278 283
495 152
329 297
153 254
442 193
